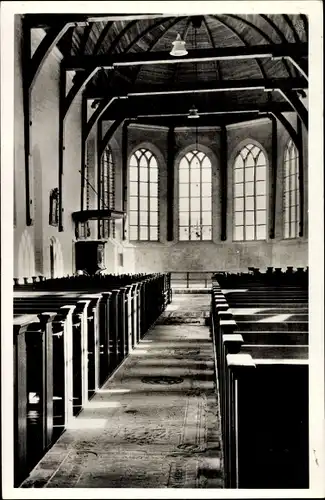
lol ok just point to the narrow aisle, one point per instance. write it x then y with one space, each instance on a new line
155 423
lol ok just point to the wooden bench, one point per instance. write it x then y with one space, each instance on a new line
266 415
252 357
33 390
91 334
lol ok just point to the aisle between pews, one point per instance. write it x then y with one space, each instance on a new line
155 422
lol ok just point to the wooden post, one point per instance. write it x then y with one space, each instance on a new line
83 150
124 172
47 356
223 180
99 172
274 159
61 142
301 176
170 182
27 117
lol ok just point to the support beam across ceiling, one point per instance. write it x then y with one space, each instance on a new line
284 84
47 20
138 108
202 55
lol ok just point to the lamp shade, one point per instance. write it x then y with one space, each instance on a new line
179 48
193 113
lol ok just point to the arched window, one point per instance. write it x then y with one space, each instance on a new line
291 200
250 194
54 207
26 256
194 200
107 192
56 258
143 199
83 229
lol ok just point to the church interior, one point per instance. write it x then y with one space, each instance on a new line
161 251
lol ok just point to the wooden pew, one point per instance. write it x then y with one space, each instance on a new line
275 350
33 390
91 334
266 441
78 334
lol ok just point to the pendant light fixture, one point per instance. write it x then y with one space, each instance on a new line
193 112
179 48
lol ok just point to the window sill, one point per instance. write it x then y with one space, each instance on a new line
250 241
143 241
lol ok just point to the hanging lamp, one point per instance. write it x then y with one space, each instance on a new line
179 48
193 112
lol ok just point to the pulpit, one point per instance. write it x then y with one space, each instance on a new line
90 256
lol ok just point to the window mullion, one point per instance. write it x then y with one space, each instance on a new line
290 195
254 197
244 198
138 171
148 200
189 201
201 221
297 194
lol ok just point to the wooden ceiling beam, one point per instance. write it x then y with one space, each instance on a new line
162 57
296 104
223 86
130 111
206 121
284 84
299 65
50 20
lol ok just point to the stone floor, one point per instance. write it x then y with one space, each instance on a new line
155 423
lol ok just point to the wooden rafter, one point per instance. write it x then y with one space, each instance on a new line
296 104
108 135
44 48
281 36
102 107
101 38
85 37
119 37
299 66
242 40
154 43
287 125
293 29
80 82
217 63
143 33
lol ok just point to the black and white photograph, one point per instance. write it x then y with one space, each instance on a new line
162 226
